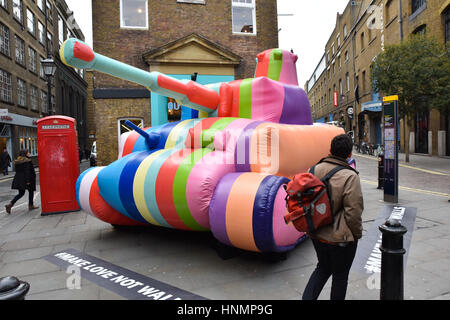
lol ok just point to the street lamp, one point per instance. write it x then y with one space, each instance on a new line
49 67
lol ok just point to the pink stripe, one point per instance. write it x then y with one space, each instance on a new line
283 234
288 72
202 182
268 95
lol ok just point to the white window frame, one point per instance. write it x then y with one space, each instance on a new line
128 118
32 60
123 26
31 23
34 98
21 93
246 5
18 8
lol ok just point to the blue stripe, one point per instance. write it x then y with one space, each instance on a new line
263 212
126 183
108 183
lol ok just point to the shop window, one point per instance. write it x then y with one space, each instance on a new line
173 110
28 140
134 14
244 16
4 40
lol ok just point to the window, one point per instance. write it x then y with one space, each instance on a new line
4 3
40 4
389 11
345 31
32 59
364 82
340 64
28 140
421 29
5 86
17 10
134 14
362 41
346 55
332 49
41 33
41 69
30 22
34 98
4 39
417 4
341 91
49 12
243 16
50 41
347 82
61 31
44 103
447 24
338 39
21 93
20 50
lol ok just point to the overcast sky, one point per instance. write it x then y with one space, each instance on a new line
306 31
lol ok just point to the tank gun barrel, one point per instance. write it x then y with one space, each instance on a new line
77 54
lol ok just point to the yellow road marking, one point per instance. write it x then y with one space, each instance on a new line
440 194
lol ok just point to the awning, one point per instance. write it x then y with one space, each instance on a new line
371 106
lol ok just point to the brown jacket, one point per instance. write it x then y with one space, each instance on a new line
346 201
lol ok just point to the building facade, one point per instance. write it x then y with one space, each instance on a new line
207 40
369 26
26 38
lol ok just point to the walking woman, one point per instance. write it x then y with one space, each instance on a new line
25 179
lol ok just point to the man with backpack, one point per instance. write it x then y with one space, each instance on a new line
336 243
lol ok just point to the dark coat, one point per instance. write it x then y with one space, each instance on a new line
5 160
24 174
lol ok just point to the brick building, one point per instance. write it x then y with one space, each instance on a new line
369 26
217 39
25 34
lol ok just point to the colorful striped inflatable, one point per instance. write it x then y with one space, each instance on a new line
223 172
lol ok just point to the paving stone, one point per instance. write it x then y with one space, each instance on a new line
26 254
29 267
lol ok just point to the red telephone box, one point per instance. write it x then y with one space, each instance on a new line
59 165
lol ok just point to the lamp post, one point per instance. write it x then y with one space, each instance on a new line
49 67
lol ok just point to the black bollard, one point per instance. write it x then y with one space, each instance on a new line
380 171
12 288
392 252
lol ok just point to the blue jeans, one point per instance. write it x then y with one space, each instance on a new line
334 261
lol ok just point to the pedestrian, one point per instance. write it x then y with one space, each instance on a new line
25 179
5 161
336 244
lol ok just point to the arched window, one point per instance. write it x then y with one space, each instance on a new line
446 16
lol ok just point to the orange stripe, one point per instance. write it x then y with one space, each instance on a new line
164 189
239 215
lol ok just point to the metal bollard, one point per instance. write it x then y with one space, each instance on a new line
12 288
392 252
380 171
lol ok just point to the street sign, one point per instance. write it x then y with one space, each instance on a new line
390 118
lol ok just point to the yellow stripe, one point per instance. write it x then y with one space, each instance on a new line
138 187
61 53
390 98
173 136
440 194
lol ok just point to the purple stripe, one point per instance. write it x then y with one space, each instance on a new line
296 107
242 150
218 208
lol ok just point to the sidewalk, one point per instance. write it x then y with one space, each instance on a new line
187 261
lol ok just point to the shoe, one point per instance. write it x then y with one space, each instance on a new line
32 207
8 208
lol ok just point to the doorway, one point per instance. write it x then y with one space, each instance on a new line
421 134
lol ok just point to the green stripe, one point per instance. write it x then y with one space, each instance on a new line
180 185
245 99
208 135
275 64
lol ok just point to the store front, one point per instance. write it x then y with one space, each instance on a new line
18 132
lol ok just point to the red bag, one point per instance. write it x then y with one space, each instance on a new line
308 201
